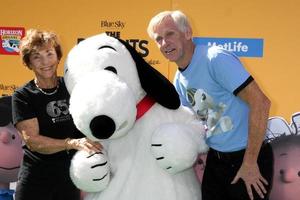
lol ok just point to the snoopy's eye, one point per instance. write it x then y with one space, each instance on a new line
66 71
110 47
112 69
13 137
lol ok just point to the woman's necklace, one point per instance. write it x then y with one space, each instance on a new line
46 93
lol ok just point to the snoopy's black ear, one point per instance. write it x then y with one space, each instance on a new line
153 82
5 110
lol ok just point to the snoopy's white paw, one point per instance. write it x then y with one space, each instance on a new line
90 172
174 148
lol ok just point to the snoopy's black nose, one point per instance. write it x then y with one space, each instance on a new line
102 127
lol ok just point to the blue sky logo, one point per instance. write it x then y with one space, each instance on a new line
242 47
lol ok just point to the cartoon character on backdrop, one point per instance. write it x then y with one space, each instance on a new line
10 148
285 140
150 141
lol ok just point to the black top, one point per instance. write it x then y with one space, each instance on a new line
52 113
5 110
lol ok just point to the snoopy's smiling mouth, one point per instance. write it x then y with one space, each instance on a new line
124 124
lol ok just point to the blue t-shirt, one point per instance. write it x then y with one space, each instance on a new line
209 86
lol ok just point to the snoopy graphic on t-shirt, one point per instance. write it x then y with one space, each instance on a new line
209 112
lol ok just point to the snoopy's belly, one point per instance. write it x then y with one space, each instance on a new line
135 174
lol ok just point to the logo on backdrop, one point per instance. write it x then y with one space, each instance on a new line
117 24
7 89
242 47
10 39
114 28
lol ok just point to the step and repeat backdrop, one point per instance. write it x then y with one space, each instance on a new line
264 34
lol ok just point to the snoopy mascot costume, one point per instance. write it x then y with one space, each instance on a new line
150 141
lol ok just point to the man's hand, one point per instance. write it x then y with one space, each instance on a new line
251 176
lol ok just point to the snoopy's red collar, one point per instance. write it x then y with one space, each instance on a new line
143 106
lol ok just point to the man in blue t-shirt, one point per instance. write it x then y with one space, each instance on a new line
225 97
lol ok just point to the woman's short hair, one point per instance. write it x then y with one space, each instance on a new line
35 39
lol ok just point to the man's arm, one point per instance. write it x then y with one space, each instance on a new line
259 106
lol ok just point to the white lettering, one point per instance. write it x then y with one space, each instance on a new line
10 32
231 46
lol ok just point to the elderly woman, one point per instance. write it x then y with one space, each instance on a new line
41 115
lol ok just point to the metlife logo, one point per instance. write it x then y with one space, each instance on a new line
242 47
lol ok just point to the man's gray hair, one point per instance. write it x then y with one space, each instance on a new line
178 17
